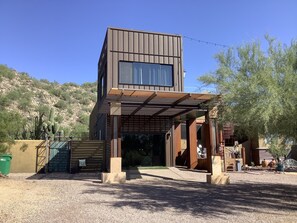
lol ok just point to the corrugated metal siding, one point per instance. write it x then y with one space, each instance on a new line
137 46
108 140
146 124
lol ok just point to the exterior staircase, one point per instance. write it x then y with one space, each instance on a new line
89 150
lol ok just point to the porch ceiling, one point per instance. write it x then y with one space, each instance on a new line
156 103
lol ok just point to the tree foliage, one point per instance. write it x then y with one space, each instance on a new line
259 88
10 126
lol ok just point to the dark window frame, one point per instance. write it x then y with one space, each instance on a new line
151 85
102 82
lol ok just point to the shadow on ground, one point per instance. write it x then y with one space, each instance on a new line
95 177
199 199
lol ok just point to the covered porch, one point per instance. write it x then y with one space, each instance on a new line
150 112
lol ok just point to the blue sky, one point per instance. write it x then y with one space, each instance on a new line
61 39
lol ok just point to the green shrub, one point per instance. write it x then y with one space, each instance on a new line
61 104
89 85
4 101
84 101
69 111
70 84
56 91
59 119
24 76
36 83
43 109
79 129
65 96
14 95
94 98
83 119
7 72
87 109
24 103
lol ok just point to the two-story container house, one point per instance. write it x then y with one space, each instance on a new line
141 102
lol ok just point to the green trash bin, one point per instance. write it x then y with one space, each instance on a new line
5 163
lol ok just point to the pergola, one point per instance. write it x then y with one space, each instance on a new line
179 106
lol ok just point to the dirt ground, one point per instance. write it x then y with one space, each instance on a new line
251 197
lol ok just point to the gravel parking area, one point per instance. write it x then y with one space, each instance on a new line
251 197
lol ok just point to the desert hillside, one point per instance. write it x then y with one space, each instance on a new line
30 97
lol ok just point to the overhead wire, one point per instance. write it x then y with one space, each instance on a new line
206 42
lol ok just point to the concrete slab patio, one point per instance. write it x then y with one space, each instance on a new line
168 195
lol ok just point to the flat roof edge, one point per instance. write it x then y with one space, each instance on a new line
143 31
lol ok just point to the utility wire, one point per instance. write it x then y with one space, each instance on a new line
206 42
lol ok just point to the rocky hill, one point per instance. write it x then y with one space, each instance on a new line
30 97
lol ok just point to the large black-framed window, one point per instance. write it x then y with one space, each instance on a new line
145 74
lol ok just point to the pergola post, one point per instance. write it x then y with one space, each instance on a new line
177 141
216 176
206 133
192 158
115 174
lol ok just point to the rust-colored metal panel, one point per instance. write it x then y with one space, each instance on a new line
156 44
126 41
174 46
161 46
151 59
151 44
166 60
178 46
119 136
147 47
141 43
146 43
121 41
115 40
165 44
115 67
180 66
206 133
130 42
135 43
109 76
192 160
175 72
170 46
177 138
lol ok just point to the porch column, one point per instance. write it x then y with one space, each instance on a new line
115 174
192 158
115 144
207 143
216 176
177 143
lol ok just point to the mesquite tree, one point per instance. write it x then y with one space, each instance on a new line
259 89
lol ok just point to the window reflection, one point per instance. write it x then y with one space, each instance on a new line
145 74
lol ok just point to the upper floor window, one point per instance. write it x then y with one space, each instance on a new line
145 74
101 86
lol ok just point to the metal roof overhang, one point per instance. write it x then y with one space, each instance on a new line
179 105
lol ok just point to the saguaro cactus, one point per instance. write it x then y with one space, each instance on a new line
51 127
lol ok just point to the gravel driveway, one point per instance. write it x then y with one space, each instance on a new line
251 197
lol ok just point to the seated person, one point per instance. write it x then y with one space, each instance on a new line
272 163
264 163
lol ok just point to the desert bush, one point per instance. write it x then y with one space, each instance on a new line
83 119
59 119
7 72
61 104
4 101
